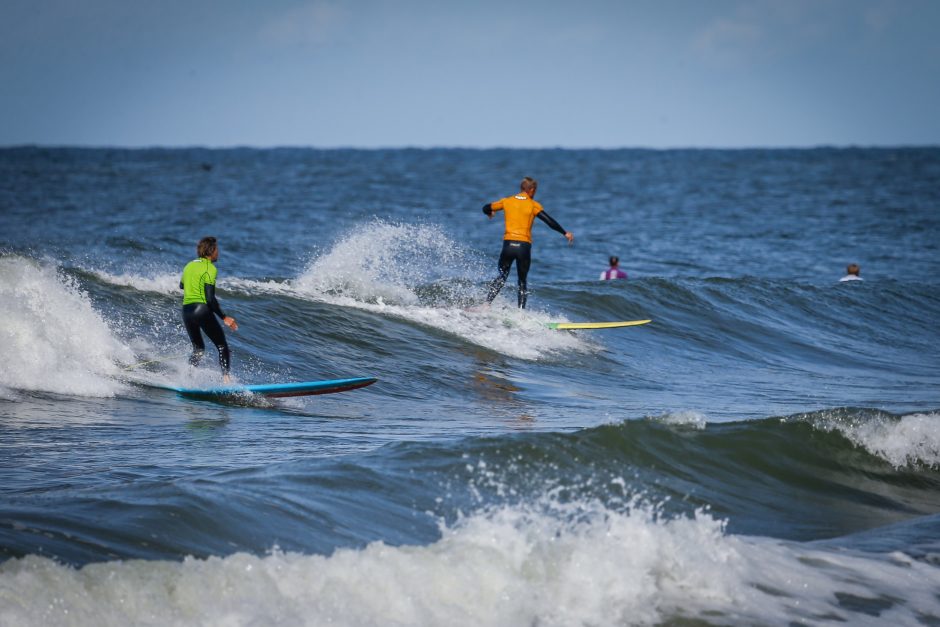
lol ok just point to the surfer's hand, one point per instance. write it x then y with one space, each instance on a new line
230 323
570 237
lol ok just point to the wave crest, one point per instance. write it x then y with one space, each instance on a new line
506 566
52 338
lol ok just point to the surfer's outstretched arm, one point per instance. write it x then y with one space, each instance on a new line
551 222
488 210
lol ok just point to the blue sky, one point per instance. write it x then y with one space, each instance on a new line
369 73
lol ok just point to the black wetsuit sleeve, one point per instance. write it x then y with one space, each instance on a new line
550 221
213 302
488 209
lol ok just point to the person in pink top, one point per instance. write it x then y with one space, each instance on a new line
614 271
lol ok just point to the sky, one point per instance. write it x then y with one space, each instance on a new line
470 73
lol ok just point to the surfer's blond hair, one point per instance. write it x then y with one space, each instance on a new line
528 184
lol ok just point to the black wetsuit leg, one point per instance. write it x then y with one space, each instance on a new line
505 263
521 253
198 317
523 261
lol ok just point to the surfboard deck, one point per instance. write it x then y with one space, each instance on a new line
274 390
595 325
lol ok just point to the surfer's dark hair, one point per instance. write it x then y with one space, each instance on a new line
529 184
853 268
206 247
614 260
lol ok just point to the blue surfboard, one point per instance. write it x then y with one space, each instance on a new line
275 390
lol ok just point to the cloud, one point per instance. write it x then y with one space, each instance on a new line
880 17
728 39
757 30
314 24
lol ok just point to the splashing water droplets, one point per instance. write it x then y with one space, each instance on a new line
389 264
52 339
418 273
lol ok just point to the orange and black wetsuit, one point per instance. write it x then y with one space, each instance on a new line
520 211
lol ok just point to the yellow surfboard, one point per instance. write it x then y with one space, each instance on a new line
595 325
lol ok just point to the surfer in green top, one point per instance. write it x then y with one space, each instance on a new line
200 306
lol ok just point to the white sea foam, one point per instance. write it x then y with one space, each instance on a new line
168 284
51 338
382 268
913 439
686 418
164 283
506 566
388 261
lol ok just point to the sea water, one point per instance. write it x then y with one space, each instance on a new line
766 451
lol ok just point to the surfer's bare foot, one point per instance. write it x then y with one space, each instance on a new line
226 379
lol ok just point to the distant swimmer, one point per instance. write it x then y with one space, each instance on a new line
520 212
852 272
200 306
614 271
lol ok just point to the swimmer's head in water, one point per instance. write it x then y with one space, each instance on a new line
614 261
853 269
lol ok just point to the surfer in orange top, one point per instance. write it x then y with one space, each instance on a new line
520 212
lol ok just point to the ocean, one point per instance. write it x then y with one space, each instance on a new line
765 451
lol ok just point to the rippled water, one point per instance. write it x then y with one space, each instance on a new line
766 450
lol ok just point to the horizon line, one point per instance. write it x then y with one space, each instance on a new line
221 147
